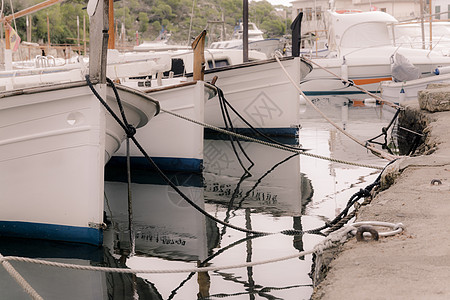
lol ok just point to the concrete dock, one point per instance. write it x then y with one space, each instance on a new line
416 263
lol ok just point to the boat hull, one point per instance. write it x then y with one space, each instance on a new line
55 143
173 143
262 94
392 91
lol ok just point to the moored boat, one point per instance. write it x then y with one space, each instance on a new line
262 94
361 51
402 91
55 141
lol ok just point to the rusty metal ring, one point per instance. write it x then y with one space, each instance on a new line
366 228
436 182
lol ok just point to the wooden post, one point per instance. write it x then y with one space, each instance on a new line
199 56
112 38
48 34
30 10
28 29
78 35
8 51
431 27
7 37
98 42
421 23
84 34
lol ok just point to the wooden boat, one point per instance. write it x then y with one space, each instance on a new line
55 142
262 94
180 136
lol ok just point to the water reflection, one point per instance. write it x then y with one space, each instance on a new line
56 283
251 186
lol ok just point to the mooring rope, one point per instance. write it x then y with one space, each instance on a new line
338 237
279 146
130 134
17 277
365 145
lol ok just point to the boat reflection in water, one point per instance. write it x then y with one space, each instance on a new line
164 224
58 283
170 234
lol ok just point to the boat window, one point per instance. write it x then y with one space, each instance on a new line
218 63
366 35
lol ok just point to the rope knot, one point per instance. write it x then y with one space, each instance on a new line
364 193
130 131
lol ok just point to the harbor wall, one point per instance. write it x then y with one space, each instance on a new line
415 191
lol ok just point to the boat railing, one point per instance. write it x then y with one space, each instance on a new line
42 61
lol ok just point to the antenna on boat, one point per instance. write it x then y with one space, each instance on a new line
296 35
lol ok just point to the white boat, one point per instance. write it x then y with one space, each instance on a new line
256 41
55 141
179 145
361 51
180 136
261 93
399 92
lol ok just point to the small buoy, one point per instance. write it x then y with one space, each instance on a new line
442 70
370 100
402 96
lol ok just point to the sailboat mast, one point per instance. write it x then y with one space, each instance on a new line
245 33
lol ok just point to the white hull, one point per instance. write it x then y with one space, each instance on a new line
55 143
392 91
262 93
174 144
362 51
365 73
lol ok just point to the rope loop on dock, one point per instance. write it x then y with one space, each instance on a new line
395 228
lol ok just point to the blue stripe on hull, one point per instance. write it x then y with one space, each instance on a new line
170 164
289 132
51 232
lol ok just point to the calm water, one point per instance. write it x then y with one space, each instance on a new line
280 191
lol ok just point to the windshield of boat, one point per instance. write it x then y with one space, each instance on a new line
364 35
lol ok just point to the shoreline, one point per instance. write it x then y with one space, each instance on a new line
414 264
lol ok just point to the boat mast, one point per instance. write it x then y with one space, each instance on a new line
245 31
